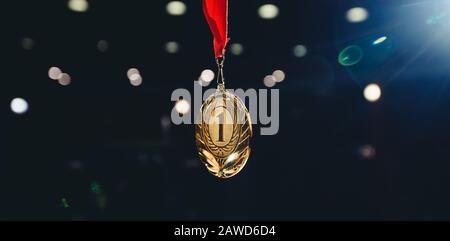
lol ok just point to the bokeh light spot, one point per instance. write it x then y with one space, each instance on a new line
268 11
379 40
207 75
367 152
27 43
54 73
78 5
102 46
64 79
172 47
182 107
372 92
19 106
300 51
132 71
269 81
279 75
357 15
176 8
237 49
136 80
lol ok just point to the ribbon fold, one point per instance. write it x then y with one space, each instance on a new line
216 14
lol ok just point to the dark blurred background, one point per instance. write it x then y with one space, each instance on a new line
100 148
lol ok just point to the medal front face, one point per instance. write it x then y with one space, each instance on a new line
223 134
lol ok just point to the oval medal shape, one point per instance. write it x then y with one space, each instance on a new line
223 134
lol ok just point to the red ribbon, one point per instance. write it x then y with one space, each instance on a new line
216 13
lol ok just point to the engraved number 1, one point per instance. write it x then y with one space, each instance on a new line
221 121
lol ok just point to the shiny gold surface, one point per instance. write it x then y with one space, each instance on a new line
223 134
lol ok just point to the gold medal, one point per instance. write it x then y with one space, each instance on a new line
224 129
223 134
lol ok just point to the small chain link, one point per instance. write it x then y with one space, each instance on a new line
220 78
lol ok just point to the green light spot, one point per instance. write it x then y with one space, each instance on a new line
379 40
65 203
96 187
350 55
